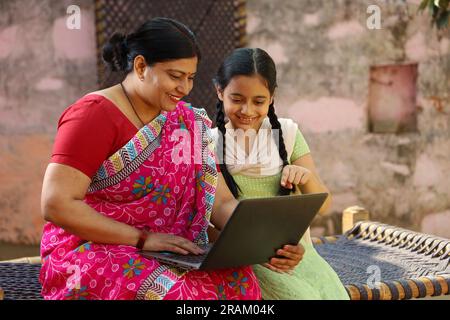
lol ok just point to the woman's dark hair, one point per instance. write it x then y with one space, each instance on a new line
158 40
248 62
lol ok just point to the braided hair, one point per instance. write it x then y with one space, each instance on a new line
220 122
248 62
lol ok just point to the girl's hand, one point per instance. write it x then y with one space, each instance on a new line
287 259
294 175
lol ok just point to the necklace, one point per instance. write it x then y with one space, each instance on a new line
131 104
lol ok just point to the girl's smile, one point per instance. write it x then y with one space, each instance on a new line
246 101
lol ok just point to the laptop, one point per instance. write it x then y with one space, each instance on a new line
256 229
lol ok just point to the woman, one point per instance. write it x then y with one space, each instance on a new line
113 187
263 156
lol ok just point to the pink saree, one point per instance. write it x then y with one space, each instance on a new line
153 181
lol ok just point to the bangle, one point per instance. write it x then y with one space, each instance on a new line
142 238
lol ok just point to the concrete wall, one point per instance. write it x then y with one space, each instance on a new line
44 67
323 50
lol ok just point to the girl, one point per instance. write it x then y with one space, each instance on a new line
280 160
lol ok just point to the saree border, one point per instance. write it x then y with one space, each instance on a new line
159 283
208 166
128 158
128 168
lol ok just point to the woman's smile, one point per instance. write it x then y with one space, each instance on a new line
173 98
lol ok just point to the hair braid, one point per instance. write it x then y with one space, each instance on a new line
281 147
220 122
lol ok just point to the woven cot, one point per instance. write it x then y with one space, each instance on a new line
375 261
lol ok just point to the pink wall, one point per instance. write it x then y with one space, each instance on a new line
44 68
324 52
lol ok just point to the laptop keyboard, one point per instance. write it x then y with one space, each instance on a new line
192 258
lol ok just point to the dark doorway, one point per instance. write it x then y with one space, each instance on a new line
218 24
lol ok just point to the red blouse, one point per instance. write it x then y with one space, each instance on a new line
89 132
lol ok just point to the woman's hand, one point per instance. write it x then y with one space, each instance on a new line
172 243
287 259
294 175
